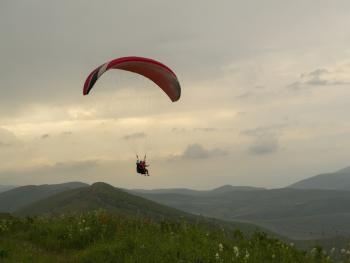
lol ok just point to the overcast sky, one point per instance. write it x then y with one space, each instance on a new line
265 92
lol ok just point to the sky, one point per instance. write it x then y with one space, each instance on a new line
265 92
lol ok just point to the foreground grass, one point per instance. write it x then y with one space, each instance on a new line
101 237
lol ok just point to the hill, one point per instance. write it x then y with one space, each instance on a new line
339 180
18 197
103 237
95 197
4 188
296 213
102 196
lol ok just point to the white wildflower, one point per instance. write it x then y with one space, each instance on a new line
343 250
221 247
217 256
313 251
236 251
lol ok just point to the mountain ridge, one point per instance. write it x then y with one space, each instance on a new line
339 180
23 195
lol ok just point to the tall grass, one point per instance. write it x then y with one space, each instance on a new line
101 237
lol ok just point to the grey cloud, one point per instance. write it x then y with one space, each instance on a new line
295 85
245 95
52 58
58 172
265 138
45 136
133 136
4 144
208 129
197 129
265 130
7 138
264 145
70 168
196 151
318 77
66 133
179 130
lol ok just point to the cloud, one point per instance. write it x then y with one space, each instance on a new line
45 136
5 144
265 139
7 138
245 95
133 136
264 145
61 169
320 77
208 129
265 130
72 166
196 151
66 133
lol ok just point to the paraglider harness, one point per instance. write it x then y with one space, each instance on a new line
141 166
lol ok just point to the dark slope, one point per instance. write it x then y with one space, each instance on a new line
18 197
4 188
103 196
292 212
339 180
98 196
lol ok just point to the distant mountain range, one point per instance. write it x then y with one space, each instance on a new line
339 180
317 207
106 197
4 188
95 197
222 189
13 199
296 213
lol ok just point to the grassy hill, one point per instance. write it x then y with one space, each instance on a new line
296 213
102 237
339 180
95 197
100 223
4 188
18 197
108 198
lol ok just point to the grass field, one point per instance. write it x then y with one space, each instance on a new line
102 237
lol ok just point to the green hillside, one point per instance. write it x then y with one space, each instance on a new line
4 188
95 197
18 197
106 197
102 237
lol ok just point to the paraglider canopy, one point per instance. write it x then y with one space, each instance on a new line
154 70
